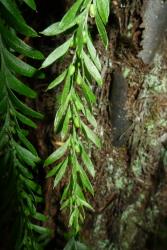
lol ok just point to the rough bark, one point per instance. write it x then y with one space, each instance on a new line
130 185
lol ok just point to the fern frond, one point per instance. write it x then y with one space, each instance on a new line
19 158
74 120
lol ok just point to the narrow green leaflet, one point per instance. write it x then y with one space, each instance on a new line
24 171
67 87
57 81
40 217
31 4
70 245
91 135
93 53
90 118
85 180
15 19
80 37
61 112
57 53
61 172
3 105
85 204
80 246
39 229
78 103
88 93
92 68
25 120
101 29
65 193
19 87
26 142
57 154
55 29
24 108
18 65
103 7
18 45
87 161
70 15
66 123
26 155
54 170
65 204
12 8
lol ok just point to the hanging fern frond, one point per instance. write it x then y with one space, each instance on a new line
19 159
74 119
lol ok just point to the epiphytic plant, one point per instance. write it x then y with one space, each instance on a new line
74 119
20 193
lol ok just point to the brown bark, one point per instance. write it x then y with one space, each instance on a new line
130 185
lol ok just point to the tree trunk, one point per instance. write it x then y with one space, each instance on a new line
130 185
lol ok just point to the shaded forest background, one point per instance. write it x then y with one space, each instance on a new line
130 199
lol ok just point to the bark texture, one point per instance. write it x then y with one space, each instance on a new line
131 182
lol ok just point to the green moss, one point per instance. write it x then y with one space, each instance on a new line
126 72
120 180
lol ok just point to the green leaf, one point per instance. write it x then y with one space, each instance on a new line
90 118
57 154
18 45
85 4
101 29
85 204
70 15
70 245
3 105
65 204
91 135
90 97
31 4
24 154
62 111
30 208
4 140
80 246
54 170
55 29
93 53
92 68
24 171
65 192
39 229
40 217
87 161
19 87
78 103
67 87
18 65
57 81
85 180
66 124
61 172
80 38
57 53
11 14
24 108
78 192
32 185
103 7
13 9
25 120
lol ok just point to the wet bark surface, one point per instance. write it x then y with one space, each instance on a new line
130 199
